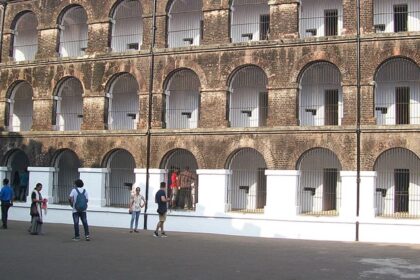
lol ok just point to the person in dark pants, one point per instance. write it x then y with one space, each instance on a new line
79 190
6 197
161 199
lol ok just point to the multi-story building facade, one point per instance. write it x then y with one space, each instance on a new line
297 118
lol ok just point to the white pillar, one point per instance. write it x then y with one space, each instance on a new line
212 191
45 176
281 193
155 177
4 173
94 182
348 194
367 194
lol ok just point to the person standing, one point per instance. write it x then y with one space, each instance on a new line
36 210
136 203
174 188
161 199
187 182
78 200
6 198
23 182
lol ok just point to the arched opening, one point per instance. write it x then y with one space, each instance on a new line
17 163
320 18
394 16
320 95
120 178
127 26
73 32
19 107
248 98
319 189
397 93
181 176
250 20
25 37
67 165
68 105
123 103
185 23
397 184
247 187
182 96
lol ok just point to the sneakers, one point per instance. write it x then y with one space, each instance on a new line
76 239
87 238
155 234
163 234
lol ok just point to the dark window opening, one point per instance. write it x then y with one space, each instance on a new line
331 107
402 102
400 18
331 22
329 194
402 183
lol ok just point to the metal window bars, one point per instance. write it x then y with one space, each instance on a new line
393 16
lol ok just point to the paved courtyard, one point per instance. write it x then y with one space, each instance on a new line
118 254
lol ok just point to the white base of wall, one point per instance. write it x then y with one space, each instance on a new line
312 228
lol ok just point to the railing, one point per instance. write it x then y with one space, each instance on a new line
69 121
248 116
396 18
397 113
319 114
126 42
328 24
25 52
119 120
182 118
73 48
62 193
184 37
21 122
250 31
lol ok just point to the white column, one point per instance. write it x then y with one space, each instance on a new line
45 176
348 194
155 177
212 191
3 173
367 194
94 182
281 193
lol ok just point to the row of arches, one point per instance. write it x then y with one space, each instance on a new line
320 98
249 21
397 183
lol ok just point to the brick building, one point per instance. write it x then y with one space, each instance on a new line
297 118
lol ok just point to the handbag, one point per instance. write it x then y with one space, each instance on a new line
39 220
34 209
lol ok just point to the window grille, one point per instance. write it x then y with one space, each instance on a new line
397 93
250 20
182 180
127 27
185 23
320 18
319 189
17 162
20 108
120 178
69 105
320 96
73 33
25 38
247 185
182 100
397 184
67 166
394 16
248 98
123 103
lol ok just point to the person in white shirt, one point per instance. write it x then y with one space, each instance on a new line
76 191
136 203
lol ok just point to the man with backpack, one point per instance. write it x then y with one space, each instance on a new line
78 200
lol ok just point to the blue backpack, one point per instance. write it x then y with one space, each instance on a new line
81 201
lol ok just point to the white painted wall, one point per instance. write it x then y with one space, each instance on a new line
384 14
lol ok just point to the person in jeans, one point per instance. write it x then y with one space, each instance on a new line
76 214
161 199
136 203
6 197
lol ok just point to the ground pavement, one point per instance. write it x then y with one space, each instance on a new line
117 254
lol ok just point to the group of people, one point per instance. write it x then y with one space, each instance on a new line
182 189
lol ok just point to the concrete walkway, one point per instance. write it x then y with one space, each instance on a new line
118 254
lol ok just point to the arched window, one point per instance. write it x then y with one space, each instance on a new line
19 107
17 162
321 95
121 178
127 26
248 98
397 186
182 100
396 16
397 93
180 168
67 166
25 37
247 187
68 105
73 32
319 189
320 18
123 103
185 23
250 20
